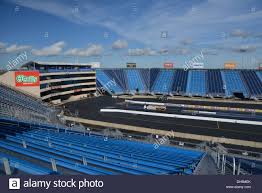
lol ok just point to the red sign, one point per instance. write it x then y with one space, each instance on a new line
168 65
27 78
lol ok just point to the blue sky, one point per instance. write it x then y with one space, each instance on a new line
114 32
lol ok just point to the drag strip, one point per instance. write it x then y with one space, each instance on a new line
182 116
89 109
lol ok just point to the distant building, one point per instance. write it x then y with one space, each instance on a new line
54 81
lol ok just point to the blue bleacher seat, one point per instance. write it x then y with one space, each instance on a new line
233 83
253 83
196 85
135 81
163 82
107 84
153 73
102 157
215 86
180 82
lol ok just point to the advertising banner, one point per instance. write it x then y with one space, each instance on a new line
27 78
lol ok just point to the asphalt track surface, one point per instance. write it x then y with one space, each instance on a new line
90 109
207 103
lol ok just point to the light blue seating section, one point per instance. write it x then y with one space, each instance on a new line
196 85
102 156
233 83
259 74
108 83
163 83
135 81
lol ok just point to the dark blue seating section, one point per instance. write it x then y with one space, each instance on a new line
145 74
89 154
180 82
253 83
192 82
152 76
215 83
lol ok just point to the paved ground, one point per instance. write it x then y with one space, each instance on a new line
90 109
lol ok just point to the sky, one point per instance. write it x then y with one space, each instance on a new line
148 32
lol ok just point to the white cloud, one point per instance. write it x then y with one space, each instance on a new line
207 51
239 33
142 52
91 50
120 44
187 41
182 51
163 51
245 48
2 45
14 48
52 50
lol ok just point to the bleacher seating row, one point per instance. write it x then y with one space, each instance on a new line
80 153
14 104
194 82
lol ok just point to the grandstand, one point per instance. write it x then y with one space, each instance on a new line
37 137
194 82
18 105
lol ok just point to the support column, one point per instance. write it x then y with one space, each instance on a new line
84 161
234 166
53 162
238 167
24 144
7 166
218 160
